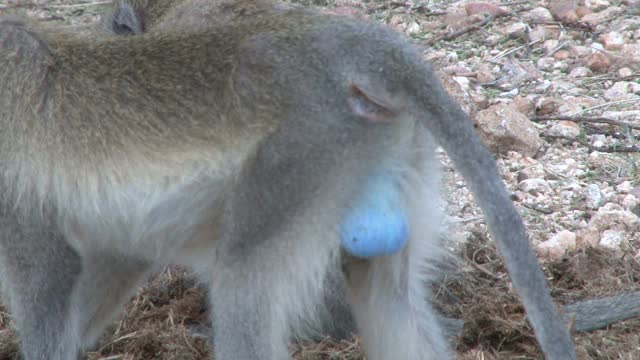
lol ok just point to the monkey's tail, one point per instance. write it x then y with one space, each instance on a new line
454 131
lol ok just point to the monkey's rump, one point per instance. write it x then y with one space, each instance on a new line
377 224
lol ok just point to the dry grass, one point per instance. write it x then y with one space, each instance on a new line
167 320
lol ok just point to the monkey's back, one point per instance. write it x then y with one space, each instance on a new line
78 129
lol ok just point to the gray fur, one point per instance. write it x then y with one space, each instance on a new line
246 136
124 20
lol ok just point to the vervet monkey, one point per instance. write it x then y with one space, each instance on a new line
586 315
139 16
239 149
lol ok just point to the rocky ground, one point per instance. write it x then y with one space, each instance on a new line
554 89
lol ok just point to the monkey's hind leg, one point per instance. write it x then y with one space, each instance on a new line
107 282
60 301
392 312
39 270
261 295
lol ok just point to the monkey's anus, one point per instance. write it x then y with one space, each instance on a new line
376 225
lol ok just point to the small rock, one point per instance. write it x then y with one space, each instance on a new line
503 128
485 76
621 220
564 128
611 239
579 51
545 63
480 8
530 71
463 81
460 95
398 23
562 55
609 207
543 32
481 100
493 40
582 11
594 197
579 72
612 40
597 5
413 28
542 87
525 105
597 160
598 140
625 72
550 45
596 18
569 107
564 11
631 52
517 72
588 236
547 105
578 91
629 202
598 62
451 58
456 69
534 186
515 30
455 17
538 14
557 245
624 187
532 169
622 90
562 66
632 116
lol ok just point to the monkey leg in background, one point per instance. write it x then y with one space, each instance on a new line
238 149
124 20
134 17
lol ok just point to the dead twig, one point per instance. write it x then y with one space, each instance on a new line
616 148
538 208
87 4
586 119
454 34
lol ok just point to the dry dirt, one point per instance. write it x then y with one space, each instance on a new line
167 320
